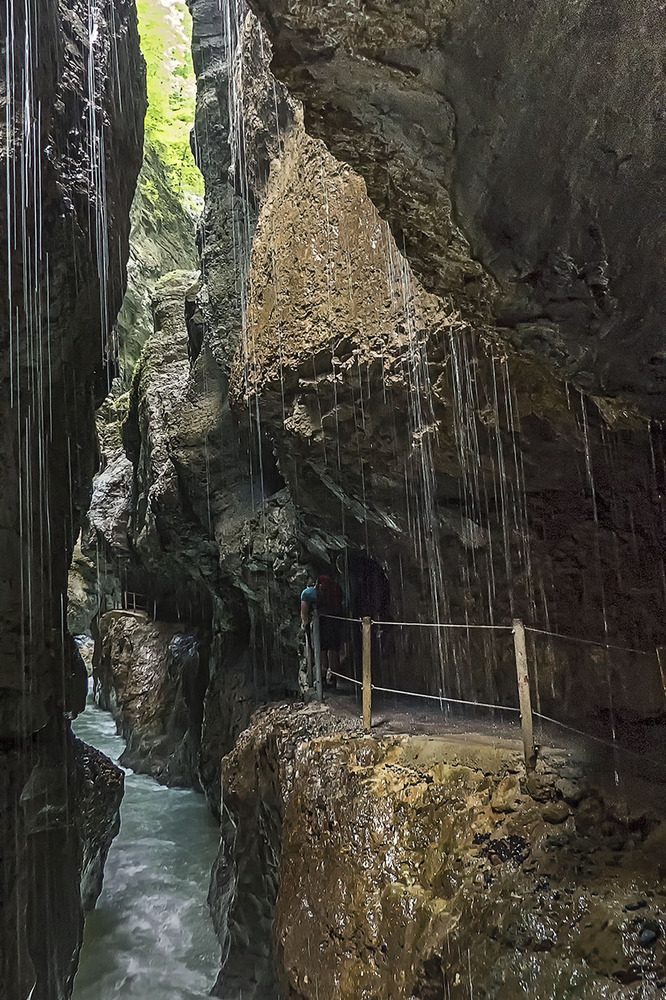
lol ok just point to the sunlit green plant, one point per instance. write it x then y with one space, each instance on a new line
165 29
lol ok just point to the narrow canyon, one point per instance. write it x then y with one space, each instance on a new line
333 508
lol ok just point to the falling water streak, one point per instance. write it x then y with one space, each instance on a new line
422 430
597 544
97 192
235 22
31 362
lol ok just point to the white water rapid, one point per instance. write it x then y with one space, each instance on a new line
150 935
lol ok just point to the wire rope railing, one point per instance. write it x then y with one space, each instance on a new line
525 676
586 642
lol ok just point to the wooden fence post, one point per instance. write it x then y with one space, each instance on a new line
316 642
524 697
367 674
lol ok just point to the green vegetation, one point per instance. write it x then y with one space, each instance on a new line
165 28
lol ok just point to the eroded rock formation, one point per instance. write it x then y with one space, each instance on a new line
429 867
162 239
65 287
152 676
188 510
60 813
174 519
257 779
519 155
411 431
74 99
308 397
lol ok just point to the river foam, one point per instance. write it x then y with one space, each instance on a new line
150 935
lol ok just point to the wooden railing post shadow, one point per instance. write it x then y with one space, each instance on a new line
309 657
367 674
524 696
316 642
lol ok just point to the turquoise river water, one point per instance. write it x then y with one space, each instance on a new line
150 935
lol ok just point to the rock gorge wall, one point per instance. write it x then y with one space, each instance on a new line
431 435
162 239
429 867
188 509
461 475
422 433
519 155
496 458
173 519
65 256
152 676
257 777
73 93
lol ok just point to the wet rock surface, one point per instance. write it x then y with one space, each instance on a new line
187 511
98 817
407 433
428 439
152 677
73 104
514 160
257 779
174 515
59 814
356 412
162 239
73 289
417 866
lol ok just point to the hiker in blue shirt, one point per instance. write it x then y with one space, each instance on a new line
325 594
308 601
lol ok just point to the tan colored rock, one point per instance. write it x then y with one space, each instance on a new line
555 812
571 791
506 795
396 876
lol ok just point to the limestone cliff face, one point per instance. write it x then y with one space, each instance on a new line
152 676
308 396
66 264
257 779
519 155
419 436
413 433
161 240
60 810
173 519
98 817
429 867
73 98
188 509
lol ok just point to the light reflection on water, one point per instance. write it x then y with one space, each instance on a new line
150 935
